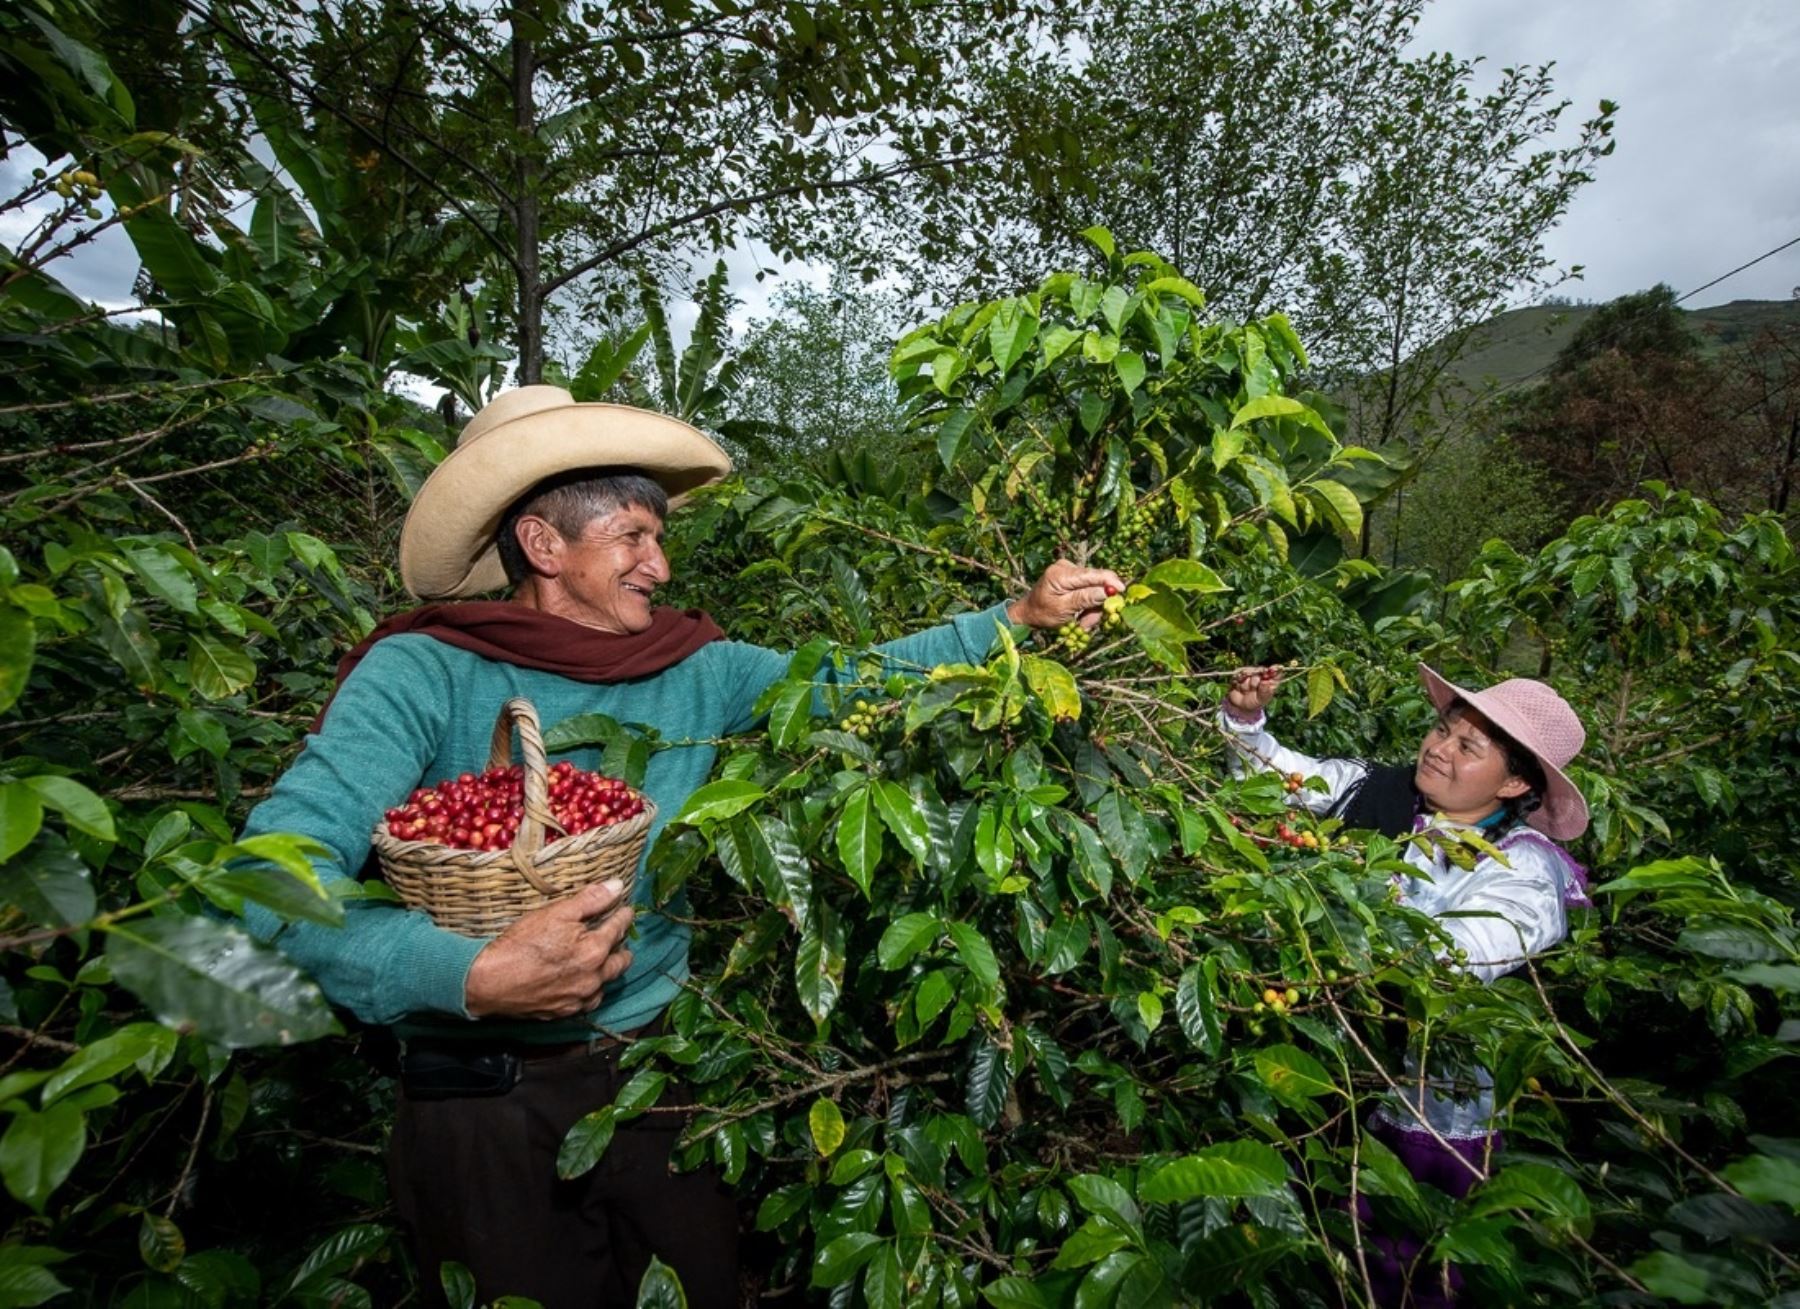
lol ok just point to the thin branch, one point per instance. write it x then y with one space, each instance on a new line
163 509
621 248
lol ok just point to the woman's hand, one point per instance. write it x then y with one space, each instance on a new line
1250 693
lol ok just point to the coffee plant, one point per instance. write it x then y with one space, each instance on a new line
1010 995
1004 991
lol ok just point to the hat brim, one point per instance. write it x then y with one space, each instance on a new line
447 548
1563 816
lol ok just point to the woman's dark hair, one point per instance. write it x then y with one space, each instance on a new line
569 502
1520 762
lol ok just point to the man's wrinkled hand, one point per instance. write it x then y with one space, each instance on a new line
553 962
1066 593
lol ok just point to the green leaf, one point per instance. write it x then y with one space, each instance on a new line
819 964
1100 239
988 1083
976 954
790 714
826 1123
25 1281
1014 1293
641 1093
291 897
1054 687
1103 1196
1129 365
161 1243
859 839
196 729
1670 1277
143 1045
1320 687
1160 617
165 577
211 976
1340 506
581 730
903 819
1231 1169
458 1283
217 670
1150 1009
719 800
839 1260
1184 575
1092 1241
21 815
80 807
1196 1007
585 1143
660 1288
1268 406
884 1284
1292 1074
1535 1187
1010 334
18 647
49 885
40 1150
1767 1178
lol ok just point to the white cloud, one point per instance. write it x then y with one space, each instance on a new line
1704 176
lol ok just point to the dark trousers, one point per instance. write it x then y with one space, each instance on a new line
474 1179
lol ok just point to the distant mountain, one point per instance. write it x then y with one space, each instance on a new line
1520 343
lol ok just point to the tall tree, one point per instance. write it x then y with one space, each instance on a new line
816 366
1300 155
579 142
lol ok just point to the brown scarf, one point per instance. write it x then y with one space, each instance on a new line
513 633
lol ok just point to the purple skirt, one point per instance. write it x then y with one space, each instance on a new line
1397 1278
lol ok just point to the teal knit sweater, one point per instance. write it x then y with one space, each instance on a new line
416 711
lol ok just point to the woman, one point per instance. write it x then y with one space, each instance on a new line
1492 766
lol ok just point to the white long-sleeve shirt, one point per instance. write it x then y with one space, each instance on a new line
1521 902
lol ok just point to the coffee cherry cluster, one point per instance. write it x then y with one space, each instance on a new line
1293 782
1073 637
482 812
1114 611
862 721
1301 840
1137 523
1279 1001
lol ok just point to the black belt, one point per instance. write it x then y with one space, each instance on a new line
452 1069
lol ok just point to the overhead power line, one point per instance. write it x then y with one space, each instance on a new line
1618 331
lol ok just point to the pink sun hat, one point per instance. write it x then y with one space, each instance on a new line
1542 722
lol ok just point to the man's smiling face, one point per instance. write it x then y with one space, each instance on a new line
610 572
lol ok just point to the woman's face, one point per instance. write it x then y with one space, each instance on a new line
1461 769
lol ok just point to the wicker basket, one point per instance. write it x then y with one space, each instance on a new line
480 892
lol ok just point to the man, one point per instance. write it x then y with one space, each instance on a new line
507 1042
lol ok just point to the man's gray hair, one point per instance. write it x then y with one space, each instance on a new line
570 501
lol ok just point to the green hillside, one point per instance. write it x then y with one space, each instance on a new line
1521 343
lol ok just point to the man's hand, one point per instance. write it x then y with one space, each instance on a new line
1250 693
553 962
1064 593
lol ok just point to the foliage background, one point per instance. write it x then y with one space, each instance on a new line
1020 1058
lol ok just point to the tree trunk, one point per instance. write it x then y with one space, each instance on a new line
531 295
1787 468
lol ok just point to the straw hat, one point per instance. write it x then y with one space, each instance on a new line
517 440
1541 721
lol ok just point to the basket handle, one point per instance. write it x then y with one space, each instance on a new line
529 839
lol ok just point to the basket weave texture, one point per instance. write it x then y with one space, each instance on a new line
480 892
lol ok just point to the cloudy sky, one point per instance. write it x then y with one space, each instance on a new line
1706 175
1707 171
